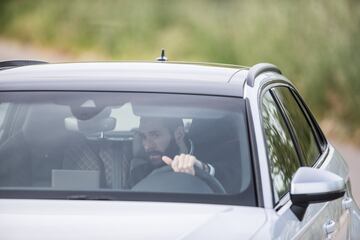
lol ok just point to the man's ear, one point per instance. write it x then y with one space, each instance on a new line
179 135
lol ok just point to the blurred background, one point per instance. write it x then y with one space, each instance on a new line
315 43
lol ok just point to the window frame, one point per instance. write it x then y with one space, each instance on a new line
292 128
227 199
324 149
269 89
319 135
289 125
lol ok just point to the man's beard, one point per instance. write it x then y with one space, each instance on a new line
155 157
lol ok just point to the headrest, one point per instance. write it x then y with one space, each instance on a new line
212 130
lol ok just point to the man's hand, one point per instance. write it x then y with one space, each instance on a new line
183 163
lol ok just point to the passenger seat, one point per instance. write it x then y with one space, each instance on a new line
97 152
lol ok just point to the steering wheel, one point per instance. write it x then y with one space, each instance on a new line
164 179
210 180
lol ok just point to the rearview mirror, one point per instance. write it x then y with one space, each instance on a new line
311 185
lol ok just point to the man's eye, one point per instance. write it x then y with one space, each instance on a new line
140 135
154 135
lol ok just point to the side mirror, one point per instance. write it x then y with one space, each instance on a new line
311 185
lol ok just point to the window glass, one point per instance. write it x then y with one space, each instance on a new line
280 147
316 129
125 118
3 112
301 126
96 141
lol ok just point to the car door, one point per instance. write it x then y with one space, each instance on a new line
293 139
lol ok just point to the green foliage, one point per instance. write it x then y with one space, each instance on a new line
315 43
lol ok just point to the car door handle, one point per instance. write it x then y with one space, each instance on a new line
329 227
346 203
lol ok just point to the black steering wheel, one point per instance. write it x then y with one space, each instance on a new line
164 179
210 180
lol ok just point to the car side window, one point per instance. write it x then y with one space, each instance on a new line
3 113
283 158
316 128
299 122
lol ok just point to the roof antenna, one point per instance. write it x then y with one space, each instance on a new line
162 57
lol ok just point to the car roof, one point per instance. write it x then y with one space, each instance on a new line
167 77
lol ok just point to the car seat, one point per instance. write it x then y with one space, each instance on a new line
218 142
103 154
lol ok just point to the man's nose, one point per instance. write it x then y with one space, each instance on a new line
148 145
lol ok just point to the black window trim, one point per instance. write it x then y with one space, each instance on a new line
255 157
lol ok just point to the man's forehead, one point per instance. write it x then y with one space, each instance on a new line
151 124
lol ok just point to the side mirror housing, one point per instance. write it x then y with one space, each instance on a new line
311 185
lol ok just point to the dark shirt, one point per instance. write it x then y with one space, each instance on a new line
140 169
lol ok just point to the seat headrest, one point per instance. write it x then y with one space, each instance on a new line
212 130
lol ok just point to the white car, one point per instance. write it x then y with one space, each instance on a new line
80 146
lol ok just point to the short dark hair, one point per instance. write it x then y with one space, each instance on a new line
172 123
169 123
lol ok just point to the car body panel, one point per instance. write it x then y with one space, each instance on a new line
311 227
73 219
253 94
77 219
287 226
170 78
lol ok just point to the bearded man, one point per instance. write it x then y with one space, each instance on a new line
164 142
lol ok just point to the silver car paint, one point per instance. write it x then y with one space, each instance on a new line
252 94
284 223
64 219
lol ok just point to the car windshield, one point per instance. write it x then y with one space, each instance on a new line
148 146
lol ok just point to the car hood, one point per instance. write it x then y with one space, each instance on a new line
76 219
